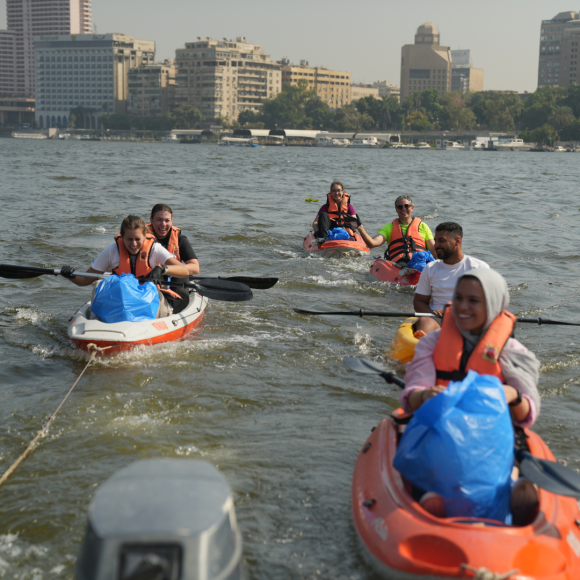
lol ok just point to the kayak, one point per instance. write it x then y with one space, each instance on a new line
126 335
402 347
387 271
404 541
336 248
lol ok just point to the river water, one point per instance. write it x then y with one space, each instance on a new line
258 390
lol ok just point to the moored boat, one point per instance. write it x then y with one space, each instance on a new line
404 541
387 271
121 336
513 145
336 248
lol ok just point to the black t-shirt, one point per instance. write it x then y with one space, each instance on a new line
185 250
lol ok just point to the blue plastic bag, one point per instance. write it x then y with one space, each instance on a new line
123 299
460 444
338 234
420 260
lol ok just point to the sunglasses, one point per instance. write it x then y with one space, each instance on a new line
406 206
336 191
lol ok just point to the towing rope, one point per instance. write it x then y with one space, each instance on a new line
42 433
485 574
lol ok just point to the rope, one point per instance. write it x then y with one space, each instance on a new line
42 433
485 574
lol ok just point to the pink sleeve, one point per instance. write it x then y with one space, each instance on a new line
323 209
351 210
420 372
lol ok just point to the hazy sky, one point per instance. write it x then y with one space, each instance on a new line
363 37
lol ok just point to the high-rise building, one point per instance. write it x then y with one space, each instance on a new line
332 86
559 48
152 89
425 64
360 91
7 63
224 77
464 76
30 18
85 70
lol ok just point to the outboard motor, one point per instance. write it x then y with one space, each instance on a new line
162 519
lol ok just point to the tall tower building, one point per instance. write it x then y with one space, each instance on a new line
464 76
29 18
425 64
559 49
7 63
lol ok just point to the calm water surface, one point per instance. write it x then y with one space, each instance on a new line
258 391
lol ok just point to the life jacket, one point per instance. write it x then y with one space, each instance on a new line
484 358
142 263
173 243
403 246
340 214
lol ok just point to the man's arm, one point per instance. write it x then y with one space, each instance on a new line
375 242
431 247
192 267
421 303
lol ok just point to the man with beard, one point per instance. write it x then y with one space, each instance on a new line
438 278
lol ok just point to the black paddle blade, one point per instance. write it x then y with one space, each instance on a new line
222 290
256 283
22 272
368 367
549 475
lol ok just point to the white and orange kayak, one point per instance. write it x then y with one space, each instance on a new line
387 271
336 248
121 336
403 541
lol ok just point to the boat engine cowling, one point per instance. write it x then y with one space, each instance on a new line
162 519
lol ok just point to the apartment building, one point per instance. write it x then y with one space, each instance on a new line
30 18
425 64
559 48
85 70
224 77
387 89
152 89
359 91
7 63
464 76
331 86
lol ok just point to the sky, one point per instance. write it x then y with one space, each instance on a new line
363 37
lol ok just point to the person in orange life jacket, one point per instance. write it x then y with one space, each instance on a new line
476 334
171 238
438 278
335 213
134 252
404 236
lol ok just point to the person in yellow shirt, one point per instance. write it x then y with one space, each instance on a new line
404 236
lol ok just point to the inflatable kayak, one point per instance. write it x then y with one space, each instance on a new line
126 335
404 541
402 347
336 248
387 271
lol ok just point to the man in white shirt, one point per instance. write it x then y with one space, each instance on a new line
438 278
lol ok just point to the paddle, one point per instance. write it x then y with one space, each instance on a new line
549 475
251 281
213 289
362 313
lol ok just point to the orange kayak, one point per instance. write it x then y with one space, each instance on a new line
336 248
387 271
404 541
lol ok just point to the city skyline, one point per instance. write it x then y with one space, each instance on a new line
503 37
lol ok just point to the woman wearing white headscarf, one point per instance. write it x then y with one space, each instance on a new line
481 296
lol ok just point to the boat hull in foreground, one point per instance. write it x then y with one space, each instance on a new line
403 541
387 271
121 336
402 347
336 248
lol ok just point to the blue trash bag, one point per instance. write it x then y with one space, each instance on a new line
338 234
460 444
123 299
420 260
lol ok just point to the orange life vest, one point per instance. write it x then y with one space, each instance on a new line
142 265
484 358
402 246
340 214
173 243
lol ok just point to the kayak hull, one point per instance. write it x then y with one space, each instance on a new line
387 271
121 336
402 540
336 248
402 347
